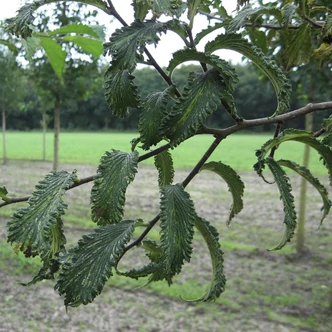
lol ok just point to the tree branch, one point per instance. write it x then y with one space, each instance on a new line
220 135
245 124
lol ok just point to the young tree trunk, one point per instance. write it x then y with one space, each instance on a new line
44 125
56 133
303 194
4 144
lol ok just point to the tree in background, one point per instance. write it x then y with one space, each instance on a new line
12 84
168 117
57 72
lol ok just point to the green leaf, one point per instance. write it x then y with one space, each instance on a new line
31 44
193 6
167 7
141 9
149 269
51 264
10 45
287 198
33 229
288 12
298 48
88 265
164 164
177 221
211 28
305 173
20 25
279 81
327 123
153 110
152 250
77 28
234 182
252 14
202 95
211 237
120 91
3 192
227 72
126 42
301 136
258 38
56 55
180 28
116 171
88 45
327 140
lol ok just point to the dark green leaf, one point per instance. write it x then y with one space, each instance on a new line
279 81
51 264
301 136
177 221
287 198
153 110
88 265
227 72
141 8
234 182
288 12
116 171
164 164
298 49
180 28
193 6
33 229
211 237
252 14
205 32
201 97
126 42
305 173
153 252
120 91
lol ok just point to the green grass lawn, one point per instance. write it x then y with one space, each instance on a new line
237 151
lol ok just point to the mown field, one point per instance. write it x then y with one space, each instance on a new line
87 147
266 291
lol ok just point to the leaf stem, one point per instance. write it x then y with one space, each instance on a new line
202 161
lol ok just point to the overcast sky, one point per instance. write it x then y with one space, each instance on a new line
168 44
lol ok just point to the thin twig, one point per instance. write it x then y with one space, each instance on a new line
152 60
276 133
